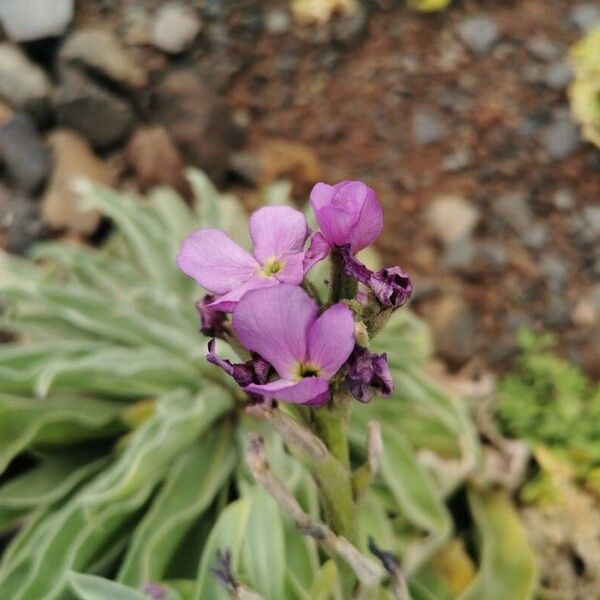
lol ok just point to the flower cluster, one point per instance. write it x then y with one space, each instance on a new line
297 351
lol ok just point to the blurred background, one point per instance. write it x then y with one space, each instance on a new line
476 121
458 118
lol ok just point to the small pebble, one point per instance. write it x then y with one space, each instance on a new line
478 33
427 127
586 16
175 28
561 139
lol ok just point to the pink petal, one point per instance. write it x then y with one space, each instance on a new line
369 224
313 391
331 339
227 302
318 250
274 322
277 230
292 270
215 261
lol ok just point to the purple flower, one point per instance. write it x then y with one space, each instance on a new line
255 370
212 320
283 326
391 286
225 269
368 375
347 213
154 591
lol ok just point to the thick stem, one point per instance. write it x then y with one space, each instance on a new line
343 287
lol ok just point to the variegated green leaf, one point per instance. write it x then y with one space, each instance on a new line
91 587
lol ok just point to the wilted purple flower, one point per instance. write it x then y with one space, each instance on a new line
154 591
283 326
255 370
225 269
318 249
368 375
391 286
347 213
212 320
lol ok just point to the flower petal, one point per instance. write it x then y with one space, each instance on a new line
313 391
228 302
331 339
318 249
274 323
215 261
277 230
369 223
292 270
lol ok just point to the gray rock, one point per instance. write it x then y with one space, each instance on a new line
586 16
22 224
561 139
452 218
278 21
564 199
198 121
27 20
591 217
102 52
558 75
513 210
556 270
349 28
427 127
23 153
22 83
455 330
492 254
102 117
545 49
478 33
558 312
536 237
175 27
457 161
459 255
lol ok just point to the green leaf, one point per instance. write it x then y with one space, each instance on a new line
508 568
227 535
264 554
91 587
325 582
188 490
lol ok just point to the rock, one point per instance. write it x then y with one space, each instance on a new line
545 49
198 121
349 28
73 160
23 153
455 330
586 16
427 128
154 158
279 159
591 217
513 210
459 255
585 313
22 83
478 33
492 255
102 117
175 27
561 138
558 312
27 20
536 237
452 218
102 52
556 270
21 221
558 75
457 160
278 21
564 199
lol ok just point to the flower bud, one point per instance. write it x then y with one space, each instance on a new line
212 320
368 374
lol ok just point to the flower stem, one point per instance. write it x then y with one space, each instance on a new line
343 287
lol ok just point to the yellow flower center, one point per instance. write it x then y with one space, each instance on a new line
271 267
306 370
